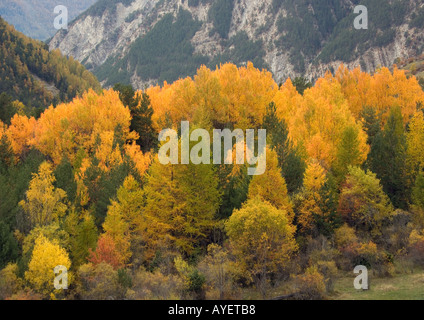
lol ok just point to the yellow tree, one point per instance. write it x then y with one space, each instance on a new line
415 143
44 203
262 239
181 203
123 218
271 186
46 256
20 133
315 177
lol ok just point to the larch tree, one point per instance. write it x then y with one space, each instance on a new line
123 219
182 201
43 202
271 186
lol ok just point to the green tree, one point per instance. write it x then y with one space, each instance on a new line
388 159
348 153
8 245
141 113
290 161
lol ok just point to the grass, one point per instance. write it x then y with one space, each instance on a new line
398 287
404 286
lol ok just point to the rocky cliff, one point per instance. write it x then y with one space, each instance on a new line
146 41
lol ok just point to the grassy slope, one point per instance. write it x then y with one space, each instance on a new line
399 287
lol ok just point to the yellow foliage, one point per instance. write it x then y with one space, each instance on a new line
141 160
44 203
63 130
20 133
45 257
271 186
383 90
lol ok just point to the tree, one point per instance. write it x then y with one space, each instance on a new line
301 84
44 203
141 113
45 257
106 252
291 163
310 203
181 203
6 108
348 153
216 267
8 245
363 203
388 159
371 122
415 144
83 236
65 179
262 239
271 186
123 220
99 282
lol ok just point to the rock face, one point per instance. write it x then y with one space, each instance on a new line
302 37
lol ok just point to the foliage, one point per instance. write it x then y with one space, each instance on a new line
262 239
28 60
45 257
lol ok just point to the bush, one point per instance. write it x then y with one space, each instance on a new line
310 285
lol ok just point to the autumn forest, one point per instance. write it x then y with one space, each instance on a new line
81 187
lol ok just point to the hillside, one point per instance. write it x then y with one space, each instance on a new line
35 18
146 41
36 77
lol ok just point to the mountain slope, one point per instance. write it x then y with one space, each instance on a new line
142 41
35 18
36 77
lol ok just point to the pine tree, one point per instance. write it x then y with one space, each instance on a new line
388 159
291 163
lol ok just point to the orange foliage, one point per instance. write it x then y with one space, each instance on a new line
21 133
63 130
106 251
383 90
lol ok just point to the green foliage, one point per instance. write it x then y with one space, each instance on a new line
23 61
363 203
141 113
164 53
221 14
372 123
13 185
234 189
301 84
418 191
291 163
6 108
387 159
8 245
239 50
65 179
